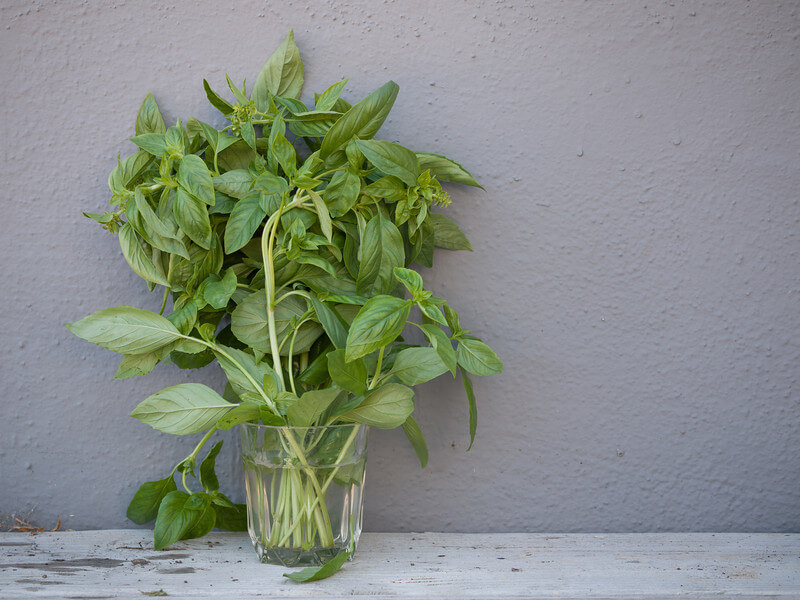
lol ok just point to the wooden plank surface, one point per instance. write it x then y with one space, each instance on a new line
123 564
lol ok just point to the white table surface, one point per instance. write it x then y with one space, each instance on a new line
123 564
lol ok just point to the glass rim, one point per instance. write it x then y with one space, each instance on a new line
296 427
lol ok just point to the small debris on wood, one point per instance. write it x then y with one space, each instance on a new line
156 593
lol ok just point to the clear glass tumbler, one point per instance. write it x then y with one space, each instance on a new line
305 490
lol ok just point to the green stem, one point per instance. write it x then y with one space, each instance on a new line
164 301
377 368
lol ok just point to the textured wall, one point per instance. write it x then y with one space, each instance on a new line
636 258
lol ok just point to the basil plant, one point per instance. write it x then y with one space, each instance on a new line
283 244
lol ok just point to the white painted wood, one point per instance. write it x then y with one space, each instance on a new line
123 564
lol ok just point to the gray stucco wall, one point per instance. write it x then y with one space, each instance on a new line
636 258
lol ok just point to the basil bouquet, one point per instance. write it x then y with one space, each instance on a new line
283 244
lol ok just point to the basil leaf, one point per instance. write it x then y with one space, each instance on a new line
381 252
173 520
243 222
181 516
243 412
207 476
306 411
133 365
194 177
136 257
240 382
182 409
143 507
350 376
473 407
430 310
323 572
328 98
477 358
441 343
410 279
447 235
149 119
231 518
385 408
249 324
341 194
322 214
377 324
446 169
362 121
237 183
192 217
391 159
330 323
126 330
153 143
417 365
414 435
282 75
221 105
217 292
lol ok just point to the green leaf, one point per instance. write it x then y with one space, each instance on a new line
221 105
362 121
447 235
473 407
390 188
452 319
410 279
237 183
341 194
350 376
381 252
317 573
391 159
149 119
430 310
152 143
248 375
417 365
243 222
322 213
414 435
182 409
195 178
145 502
385 408
126 330
268 183
282 75
306 411
478 358
249 323
218 140
205 517
243 412
377 324
231 518
328 98
330 322
136 257
208 477
218 292
192 217
284 152
445 169
133 365
174 519
441 343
